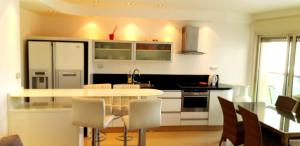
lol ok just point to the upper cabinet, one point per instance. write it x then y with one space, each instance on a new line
153 51
113 50
131 50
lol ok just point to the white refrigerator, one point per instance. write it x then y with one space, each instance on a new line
55 65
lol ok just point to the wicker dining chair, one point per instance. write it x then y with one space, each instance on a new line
285 103
253 134
297 110
232 129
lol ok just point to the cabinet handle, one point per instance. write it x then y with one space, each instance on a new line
169 97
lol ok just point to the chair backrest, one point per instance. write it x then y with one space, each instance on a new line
126 86
97 86
88 112
297 111
253 135
285 103
230 119
144 113
124 100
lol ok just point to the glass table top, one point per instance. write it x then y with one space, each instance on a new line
285 122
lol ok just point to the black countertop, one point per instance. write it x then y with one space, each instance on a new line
219 87
162 81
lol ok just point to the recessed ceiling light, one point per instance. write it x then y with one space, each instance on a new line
129 3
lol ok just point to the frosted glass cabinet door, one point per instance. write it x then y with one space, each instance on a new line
113 50
153 51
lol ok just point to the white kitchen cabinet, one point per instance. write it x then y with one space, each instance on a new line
113 50
194 118
215 116
193 122
170 119
153 51
132 50
171 107
194 115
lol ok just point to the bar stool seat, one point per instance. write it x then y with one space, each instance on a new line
90 112
142 114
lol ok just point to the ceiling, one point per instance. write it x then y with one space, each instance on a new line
236 6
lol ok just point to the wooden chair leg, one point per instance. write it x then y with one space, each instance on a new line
222 139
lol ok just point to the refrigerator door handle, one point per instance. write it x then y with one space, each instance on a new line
69 74
54 75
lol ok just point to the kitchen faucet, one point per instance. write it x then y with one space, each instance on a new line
135 71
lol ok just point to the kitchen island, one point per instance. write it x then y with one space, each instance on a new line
50 124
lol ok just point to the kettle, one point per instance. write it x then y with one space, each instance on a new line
214 80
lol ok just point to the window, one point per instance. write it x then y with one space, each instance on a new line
278 68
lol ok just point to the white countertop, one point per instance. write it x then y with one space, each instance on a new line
83 92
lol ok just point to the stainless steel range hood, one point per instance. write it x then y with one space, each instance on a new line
190 35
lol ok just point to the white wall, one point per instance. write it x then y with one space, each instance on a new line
29 27
9 56
226 47
226 43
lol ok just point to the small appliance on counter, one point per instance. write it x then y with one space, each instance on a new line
214 80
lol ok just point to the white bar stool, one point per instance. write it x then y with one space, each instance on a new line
90 112
142 114
120 105
108 101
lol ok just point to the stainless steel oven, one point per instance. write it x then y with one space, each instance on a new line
195 100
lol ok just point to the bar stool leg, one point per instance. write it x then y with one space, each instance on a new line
95 137
125 136
142 137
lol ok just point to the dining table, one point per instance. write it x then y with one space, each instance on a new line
285 124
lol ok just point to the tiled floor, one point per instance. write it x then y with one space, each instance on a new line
180 138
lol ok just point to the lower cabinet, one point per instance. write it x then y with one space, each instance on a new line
172 115
171 107
170 119
215 116
193 122
194 118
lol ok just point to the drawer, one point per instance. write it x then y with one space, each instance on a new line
171 105
170 119
194 115
175 94
194 122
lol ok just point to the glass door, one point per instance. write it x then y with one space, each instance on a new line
272 68
296 77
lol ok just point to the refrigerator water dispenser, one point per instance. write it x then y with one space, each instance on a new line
39 80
